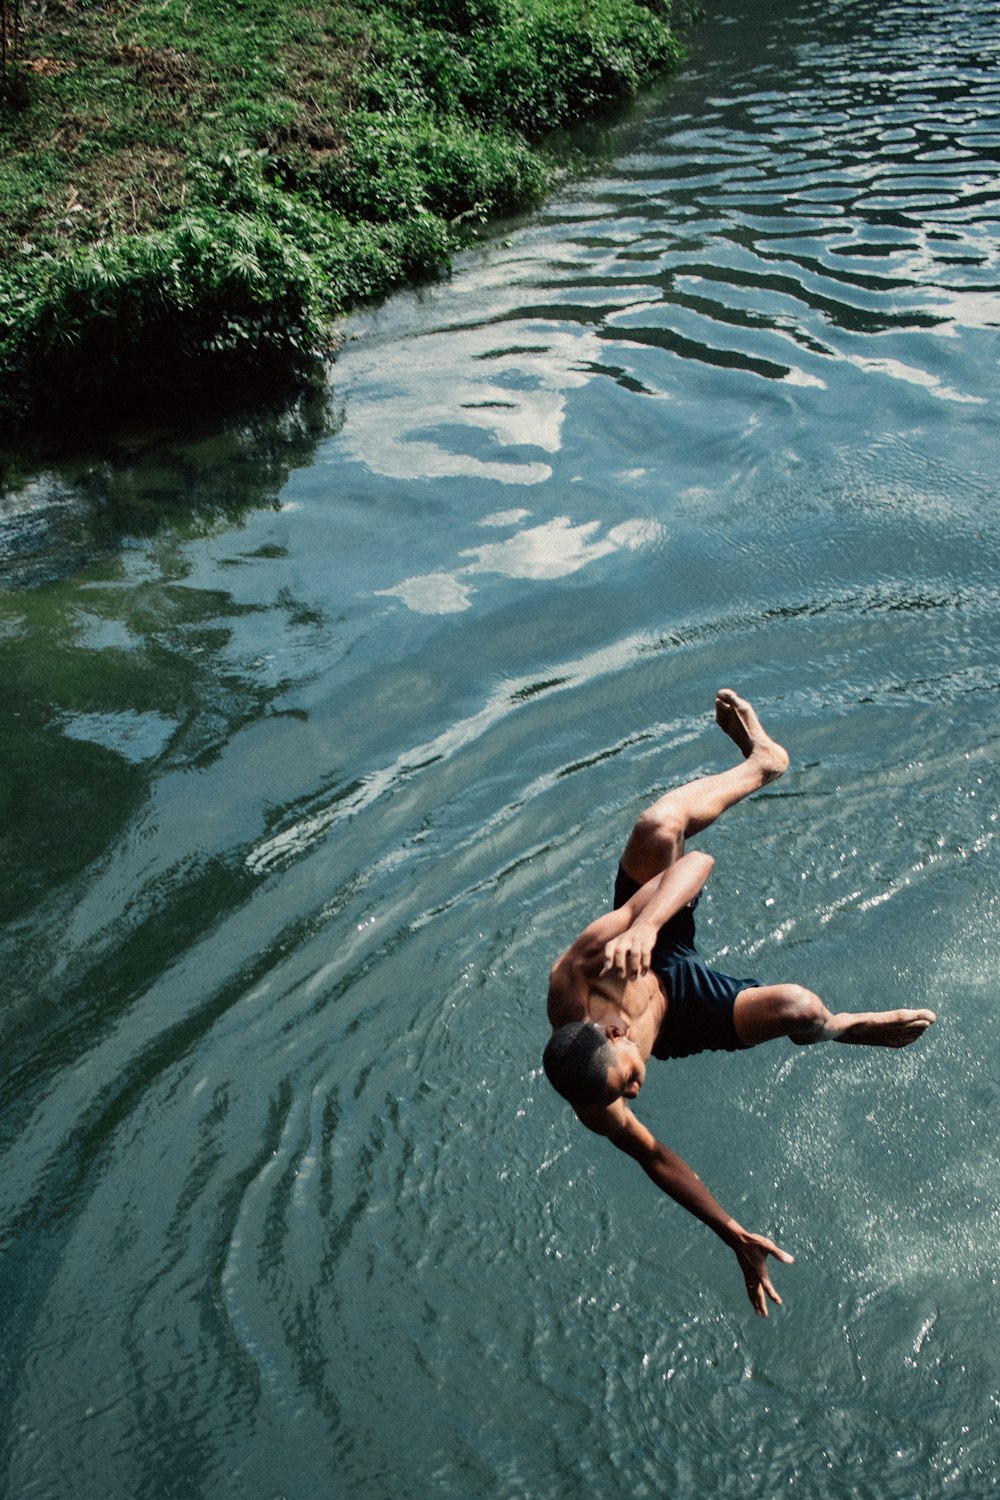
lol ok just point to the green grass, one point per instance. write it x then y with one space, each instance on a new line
191 189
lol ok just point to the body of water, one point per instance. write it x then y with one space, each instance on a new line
322 734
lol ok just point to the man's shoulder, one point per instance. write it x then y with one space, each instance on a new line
620 1126
567 992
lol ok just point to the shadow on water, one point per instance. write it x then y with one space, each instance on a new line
66 502
94 695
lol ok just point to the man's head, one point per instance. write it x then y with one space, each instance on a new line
592 1065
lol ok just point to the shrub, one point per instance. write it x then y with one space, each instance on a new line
396 169
215 288
560 60
463 17
364 261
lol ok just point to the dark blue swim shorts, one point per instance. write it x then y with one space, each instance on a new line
699 1000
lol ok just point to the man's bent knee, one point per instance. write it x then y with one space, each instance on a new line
657 838
805 1015
764 1013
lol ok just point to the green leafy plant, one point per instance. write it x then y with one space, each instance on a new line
191 189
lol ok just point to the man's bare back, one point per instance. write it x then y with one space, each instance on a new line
633 986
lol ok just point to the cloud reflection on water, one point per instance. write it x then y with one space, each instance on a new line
553 549
426 416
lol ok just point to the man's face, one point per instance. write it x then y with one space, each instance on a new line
626 1075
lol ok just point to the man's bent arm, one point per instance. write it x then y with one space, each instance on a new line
673 1176
623 939
675 887
630 952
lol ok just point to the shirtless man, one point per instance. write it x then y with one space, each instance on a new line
632 987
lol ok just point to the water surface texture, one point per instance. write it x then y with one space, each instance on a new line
322 735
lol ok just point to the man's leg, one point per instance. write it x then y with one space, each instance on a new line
659 833
774 1010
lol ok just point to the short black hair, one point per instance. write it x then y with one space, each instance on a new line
576 1062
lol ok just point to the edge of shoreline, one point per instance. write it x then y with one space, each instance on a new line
443 130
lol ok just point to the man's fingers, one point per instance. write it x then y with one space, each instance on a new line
625 961
771 1248
759 1294
759 1284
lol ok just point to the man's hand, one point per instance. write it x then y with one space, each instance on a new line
631 954
752 1251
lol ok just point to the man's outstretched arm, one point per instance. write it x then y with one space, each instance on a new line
673 1176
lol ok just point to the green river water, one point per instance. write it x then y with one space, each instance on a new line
322 732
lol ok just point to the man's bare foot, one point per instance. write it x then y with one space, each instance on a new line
736 717
888 1028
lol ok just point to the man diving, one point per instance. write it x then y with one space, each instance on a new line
632 987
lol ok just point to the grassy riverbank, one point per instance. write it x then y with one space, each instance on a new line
192 191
